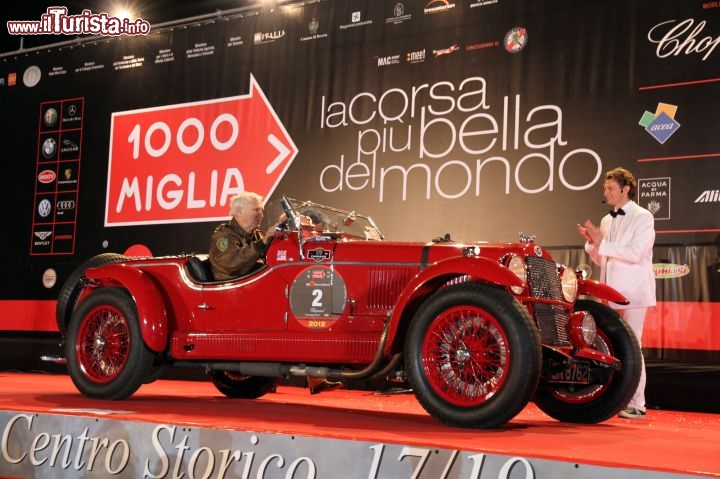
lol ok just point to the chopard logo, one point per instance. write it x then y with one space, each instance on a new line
685 37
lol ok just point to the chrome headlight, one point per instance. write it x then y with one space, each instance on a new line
568 279
583 330
517 265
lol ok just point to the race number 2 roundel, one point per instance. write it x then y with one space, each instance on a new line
317 297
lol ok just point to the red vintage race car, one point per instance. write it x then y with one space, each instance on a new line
476 331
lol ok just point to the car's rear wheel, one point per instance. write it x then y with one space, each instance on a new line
106 355
473 356
610 390
240 386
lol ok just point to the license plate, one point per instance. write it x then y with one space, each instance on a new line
577 372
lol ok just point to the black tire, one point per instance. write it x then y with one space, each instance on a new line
239 386
106 355
472 355
71 287
611 390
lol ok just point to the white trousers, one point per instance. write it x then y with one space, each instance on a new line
635 318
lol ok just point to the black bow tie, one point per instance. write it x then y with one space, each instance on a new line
618 212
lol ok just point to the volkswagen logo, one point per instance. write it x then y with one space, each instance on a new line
44 208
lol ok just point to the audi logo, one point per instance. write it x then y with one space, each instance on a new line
66 205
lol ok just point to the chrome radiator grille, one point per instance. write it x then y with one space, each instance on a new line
545 283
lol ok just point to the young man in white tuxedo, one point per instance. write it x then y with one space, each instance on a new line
623 246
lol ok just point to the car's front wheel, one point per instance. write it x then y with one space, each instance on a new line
240 386
472 355
609 390
106 355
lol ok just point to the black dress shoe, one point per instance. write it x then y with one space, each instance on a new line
318 385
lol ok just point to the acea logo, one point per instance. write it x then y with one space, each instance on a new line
661 125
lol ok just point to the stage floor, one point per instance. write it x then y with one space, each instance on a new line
676 443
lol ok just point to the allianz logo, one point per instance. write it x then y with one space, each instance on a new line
709 196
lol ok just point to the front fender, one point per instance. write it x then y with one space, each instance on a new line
151 310
600 290
437 274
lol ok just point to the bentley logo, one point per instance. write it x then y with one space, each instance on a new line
43 235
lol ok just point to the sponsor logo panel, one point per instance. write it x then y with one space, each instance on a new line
64 240
260 38
72 114
57 173
708 196
398 15
662 124
670 271
356 20
314 31
654 195
181 163
48 148
446 51
483 3
438 6
44 208
68 175
50 118
46 180
515 40
388 60
70 145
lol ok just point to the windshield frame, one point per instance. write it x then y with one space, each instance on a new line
327 222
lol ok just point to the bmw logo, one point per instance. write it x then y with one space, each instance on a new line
49 148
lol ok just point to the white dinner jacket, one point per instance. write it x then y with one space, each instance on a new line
625 255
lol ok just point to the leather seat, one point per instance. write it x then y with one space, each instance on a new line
199 269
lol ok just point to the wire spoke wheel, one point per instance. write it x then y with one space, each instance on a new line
103 344
106 355
465 356
472 355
